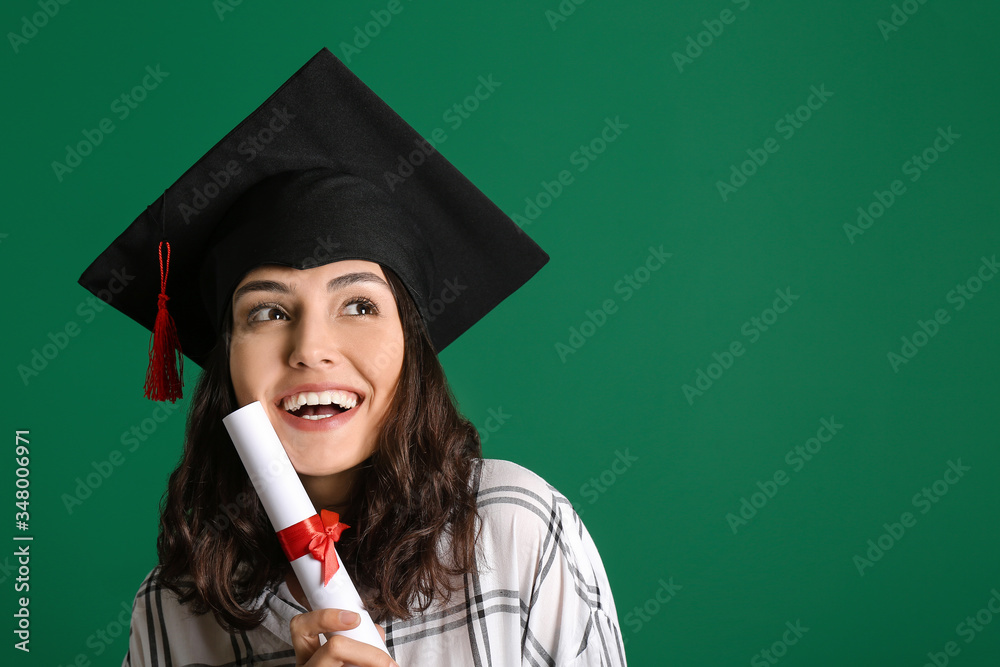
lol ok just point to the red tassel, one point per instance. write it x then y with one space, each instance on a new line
165 373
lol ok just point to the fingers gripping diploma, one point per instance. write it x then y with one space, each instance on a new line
338 650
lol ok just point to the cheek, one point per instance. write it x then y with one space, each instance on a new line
382 360
244 370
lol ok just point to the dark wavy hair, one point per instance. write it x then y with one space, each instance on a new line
217 548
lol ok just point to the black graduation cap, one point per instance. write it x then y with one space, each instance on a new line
322 171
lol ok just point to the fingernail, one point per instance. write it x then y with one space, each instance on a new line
349 617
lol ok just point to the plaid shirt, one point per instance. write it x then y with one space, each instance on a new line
541 597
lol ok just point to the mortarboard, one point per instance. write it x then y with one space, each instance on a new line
322 171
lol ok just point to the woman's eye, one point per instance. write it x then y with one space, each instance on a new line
360 307
265 313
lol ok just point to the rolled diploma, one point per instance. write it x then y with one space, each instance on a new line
287 503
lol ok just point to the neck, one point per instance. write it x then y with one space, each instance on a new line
331 492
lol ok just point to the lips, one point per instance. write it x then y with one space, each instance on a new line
319 405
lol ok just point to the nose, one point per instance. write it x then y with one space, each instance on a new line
313 343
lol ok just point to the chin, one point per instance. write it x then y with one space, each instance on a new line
320 454
313 467
320 471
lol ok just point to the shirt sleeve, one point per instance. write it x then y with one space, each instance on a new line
138 637
571 616
572 578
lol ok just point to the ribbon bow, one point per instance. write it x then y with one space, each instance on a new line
321 545
315 535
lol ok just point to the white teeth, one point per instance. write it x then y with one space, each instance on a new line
345 399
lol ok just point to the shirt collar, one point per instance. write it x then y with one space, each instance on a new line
281 607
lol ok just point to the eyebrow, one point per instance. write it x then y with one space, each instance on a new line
335 284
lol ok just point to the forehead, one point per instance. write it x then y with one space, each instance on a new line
321 273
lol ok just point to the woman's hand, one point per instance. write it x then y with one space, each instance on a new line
338 650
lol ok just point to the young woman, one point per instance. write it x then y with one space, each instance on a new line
401 465
311 282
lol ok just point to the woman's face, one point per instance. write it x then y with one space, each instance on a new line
322 350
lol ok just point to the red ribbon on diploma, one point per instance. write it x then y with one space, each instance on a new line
316 536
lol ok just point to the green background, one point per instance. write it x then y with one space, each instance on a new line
662 519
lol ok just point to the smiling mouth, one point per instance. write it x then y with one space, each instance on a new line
320 405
